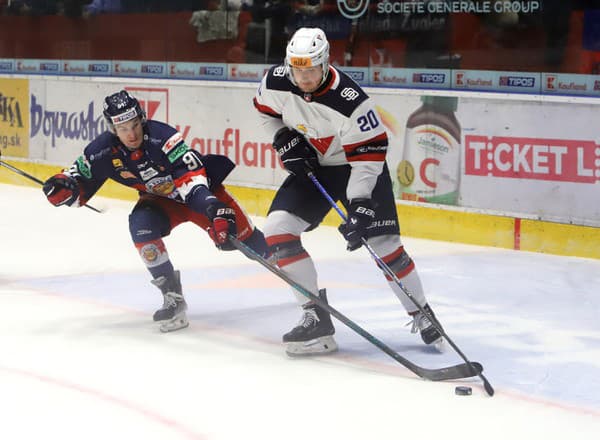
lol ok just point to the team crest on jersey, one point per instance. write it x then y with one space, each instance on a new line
280 71
162 186
321 144
349 94
306 130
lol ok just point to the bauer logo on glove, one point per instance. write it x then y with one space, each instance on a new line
296 154
223 223
360 216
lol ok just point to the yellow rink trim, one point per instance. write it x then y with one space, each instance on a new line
416 221
456 226
560 239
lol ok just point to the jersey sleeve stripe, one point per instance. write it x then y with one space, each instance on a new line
172 142
373 149
265 109
189 180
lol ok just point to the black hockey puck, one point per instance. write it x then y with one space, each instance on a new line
463 391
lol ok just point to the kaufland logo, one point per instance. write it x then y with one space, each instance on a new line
381 77
517 81
429 78
211 71
180 71
73 69
123 69
23 66
460 79
550 82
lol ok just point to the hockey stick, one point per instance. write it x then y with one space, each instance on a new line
390 273
36 180
459 371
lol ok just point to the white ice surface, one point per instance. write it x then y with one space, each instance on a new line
81 358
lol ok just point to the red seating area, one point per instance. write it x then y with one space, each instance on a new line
515 48
170 37
153 37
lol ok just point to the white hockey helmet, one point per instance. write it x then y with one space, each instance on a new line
308 47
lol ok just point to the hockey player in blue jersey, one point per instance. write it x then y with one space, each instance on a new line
176 184
324 122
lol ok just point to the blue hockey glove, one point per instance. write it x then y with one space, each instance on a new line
61 189
223 223
297 155
360 215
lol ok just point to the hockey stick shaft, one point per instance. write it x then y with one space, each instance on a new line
448 373
36 180
390 273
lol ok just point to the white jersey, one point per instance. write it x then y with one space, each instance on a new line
339 120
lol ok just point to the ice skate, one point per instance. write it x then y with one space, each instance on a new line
430 335
172 313
313 334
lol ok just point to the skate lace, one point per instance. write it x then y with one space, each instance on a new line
170 299
308 319
419 322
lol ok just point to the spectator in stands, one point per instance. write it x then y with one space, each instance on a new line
163 5
267 34
33 7
69 8
589 59
72 8
555 20
103 7
426 35
309 7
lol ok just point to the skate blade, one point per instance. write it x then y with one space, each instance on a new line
177 323
158 318
318 346
439 344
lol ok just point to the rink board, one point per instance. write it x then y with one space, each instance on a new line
436 223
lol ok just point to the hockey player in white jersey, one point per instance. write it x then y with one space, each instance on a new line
324 123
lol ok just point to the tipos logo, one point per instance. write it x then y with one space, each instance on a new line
352 8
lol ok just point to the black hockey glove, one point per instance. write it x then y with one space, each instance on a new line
298 157
222 218
61 189
360 215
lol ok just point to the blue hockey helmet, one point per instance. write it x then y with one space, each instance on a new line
121 107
